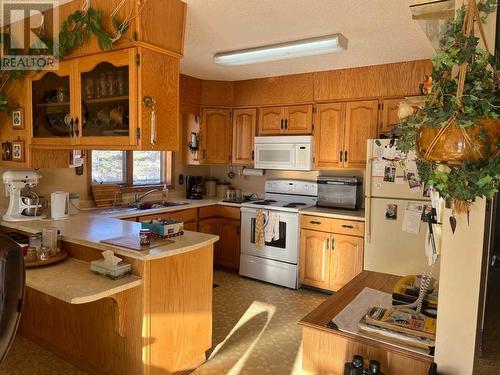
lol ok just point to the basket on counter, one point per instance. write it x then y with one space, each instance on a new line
164 228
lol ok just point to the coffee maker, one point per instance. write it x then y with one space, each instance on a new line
194 187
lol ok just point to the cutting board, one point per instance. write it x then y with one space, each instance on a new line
134 243
104 194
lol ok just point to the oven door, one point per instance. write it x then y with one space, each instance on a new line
285 249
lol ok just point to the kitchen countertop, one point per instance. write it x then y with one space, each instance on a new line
73 282
332 213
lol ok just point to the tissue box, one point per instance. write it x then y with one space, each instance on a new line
111 271
164 228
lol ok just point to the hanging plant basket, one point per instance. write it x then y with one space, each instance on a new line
454 145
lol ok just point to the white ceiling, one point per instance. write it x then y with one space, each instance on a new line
379 32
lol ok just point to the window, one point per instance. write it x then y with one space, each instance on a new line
131 168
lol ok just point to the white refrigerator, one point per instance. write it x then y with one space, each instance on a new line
390 188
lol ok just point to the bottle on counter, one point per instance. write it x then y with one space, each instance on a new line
355 367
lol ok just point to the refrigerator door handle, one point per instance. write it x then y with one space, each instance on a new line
368 219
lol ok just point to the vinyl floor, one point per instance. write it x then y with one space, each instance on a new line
255 331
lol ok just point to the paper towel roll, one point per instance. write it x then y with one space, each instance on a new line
253 172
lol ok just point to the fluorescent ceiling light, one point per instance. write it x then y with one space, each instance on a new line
289 50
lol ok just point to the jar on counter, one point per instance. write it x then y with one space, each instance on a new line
222 188
145 237
35 241
31 255
44 253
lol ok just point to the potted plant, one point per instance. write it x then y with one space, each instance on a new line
456 131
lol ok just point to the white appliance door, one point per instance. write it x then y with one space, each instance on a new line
274 156
272 271
381 186
387 248
285 249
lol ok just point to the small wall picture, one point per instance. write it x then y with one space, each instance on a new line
18 119
413 181
391 212
6 151
389 174
18 151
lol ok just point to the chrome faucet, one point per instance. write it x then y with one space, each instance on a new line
138 198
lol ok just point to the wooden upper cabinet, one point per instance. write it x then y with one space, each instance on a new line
291 120
329 135
346 260
52 111
389 115
244 128
315 258
106 99
216 136
360 125
145 29
299 119
271 121
97 102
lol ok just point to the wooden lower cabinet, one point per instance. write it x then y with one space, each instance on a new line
328 260
346 259
314 258
229 243
225 223
211 226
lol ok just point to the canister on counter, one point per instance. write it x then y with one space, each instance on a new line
222 188
145 237
31 254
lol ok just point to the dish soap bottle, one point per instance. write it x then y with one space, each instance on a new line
164 193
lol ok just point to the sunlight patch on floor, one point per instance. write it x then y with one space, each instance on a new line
253 311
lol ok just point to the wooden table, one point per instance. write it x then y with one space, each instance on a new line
326 350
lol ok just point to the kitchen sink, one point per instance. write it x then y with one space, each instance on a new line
156 204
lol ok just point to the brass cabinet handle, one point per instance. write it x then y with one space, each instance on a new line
327 243
286 124
72 128
345 156
333 244
282 124
347 226
341 156
315 222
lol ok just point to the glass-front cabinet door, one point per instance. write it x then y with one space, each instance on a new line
52 111
106 99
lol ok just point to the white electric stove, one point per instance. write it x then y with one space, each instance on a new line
277 261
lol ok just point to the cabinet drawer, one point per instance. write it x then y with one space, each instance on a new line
348 227
206 212
315 223
228 212
186 216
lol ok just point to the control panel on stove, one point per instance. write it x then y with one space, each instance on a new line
292 187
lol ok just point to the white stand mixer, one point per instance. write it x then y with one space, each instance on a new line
15 182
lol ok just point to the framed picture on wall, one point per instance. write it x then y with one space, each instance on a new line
18 119
18 151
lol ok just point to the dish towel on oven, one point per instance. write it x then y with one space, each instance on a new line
272 230
260 223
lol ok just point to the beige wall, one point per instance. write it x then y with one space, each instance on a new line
459 286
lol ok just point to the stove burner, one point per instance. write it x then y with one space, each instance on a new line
266 202
294 205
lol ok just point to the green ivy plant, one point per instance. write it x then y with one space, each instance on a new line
75 31
480 100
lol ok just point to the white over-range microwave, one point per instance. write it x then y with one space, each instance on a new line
284 152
